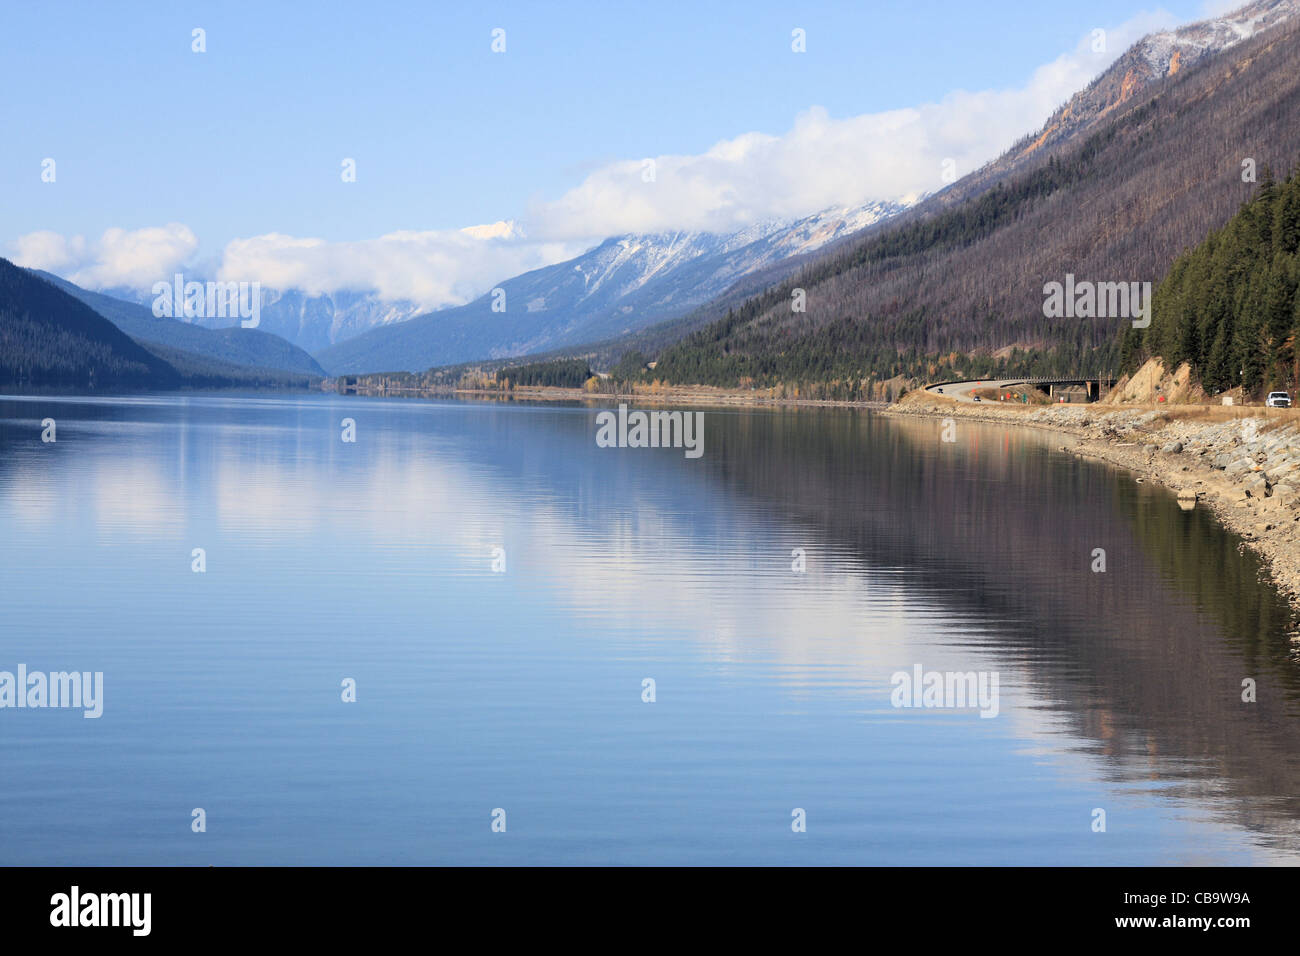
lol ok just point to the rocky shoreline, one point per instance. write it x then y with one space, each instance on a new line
1241 463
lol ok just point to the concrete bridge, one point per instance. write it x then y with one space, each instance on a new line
964 391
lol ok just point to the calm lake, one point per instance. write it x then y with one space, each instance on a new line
501 590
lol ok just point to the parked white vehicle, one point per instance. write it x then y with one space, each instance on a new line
1278 400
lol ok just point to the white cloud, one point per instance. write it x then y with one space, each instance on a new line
129 258
430 268
46 250
822 161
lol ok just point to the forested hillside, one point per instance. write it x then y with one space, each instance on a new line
48 338
1229 306
564 373
959 290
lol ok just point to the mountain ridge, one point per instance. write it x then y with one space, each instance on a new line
252 348
621 285
50 338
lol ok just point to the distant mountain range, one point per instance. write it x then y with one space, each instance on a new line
315 322
621 286
255 348
311 322
56 335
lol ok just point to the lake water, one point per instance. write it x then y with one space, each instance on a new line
521 688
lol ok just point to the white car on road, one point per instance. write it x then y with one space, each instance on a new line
1278 400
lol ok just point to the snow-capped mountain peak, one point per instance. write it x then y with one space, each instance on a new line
1171 50
623 265
502 229
622 284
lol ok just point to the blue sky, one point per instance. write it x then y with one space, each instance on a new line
246 139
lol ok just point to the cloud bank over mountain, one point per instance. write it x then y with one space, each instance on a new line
119 258
429 268
822 161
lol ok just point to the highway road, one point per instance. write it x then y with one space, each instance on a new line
961 391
